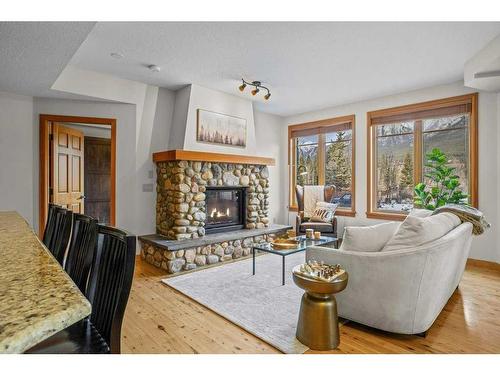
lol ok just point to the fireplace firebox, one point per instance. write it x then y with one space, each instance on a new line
225 208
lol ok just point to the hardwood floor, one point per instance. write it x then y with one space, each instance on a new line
161 320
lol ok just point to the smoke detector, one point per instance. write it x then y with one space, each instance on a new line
154 68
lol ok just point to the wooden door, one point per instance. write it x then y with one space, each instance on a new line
67 168
98 178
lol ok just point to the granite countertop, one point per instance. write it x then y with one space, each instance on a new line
37 298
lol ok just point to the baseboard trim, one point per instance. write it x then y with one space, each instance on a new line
483 264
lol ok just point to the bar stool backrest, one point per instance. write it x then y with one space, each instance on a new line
62 233
110 282
48 232
81 250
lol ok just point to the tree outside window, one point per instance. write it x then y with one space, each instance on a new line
322 154
402 136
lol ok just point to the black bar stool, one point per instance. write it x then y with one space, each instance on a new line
60 237
108 291
81 249
50 224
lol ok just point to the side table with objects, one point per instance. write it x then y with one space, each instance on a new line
318 326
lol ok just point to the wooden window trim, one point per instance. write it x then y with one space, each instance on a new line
471 99
321 173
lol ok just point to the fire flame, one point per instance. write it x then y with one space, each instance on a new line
216 213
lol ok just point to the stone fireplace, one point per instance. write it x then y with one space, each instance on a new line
210 208
182 188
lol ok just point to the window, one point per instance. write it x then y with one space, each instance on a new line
307 156
322 153
399 138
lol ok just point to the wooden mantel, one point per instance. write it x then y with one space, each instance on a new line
173 155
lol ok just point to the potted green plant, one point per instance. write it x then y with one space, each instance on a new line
444 184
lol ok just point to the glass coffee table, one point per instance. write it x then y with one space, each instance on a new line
301 246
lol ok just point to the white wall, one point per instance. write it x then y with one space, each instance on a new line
148 133
268 133
263 134
179 117
125 150
484 247
486 60
144 126
215 101
16 158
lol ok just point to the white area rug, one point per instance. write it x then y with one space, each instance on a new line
258 304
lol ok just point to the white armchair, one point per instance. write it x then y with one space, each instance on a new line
401 291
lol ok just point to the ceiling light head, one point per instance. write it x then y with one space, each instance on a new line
116 55
154 68
257 87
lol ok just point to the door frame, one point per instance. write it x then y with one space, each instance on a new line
44 137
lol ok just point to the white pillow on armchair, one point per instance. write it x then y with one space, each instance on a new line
324 212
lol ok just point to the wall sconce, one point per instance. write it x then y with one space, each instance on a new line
257 87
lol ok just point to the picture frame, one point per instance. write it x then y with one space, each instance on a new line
221 129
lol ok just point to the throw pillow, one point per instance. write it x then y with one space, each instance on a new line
324 212
415 231
371 238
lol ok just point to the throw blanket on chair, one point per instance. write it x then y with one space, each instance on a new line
467 214
312 194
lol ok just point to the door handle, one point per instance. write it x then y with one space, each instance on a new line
81 197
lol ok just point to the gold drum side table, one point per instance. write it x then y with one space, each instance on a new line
318 324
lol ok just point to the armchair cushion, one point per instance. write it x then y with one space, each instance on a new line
317 226
371 238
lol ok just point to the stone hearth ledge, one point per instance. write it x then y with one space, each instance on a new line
184 255
174 245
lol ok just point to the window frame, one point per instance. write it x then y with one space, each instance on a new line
469 99
321 159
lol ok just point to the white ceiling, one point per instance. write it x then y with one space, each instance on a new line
307 65
33 54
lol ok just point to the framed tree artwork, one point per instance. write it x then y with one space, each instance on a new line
217 128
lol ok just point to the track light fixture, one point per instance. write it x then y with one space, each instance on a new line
257 86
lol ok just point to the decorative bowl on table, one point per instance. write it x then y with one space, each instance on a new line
285 243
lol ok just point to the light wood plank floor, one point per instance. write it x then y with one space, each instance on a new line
161 320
